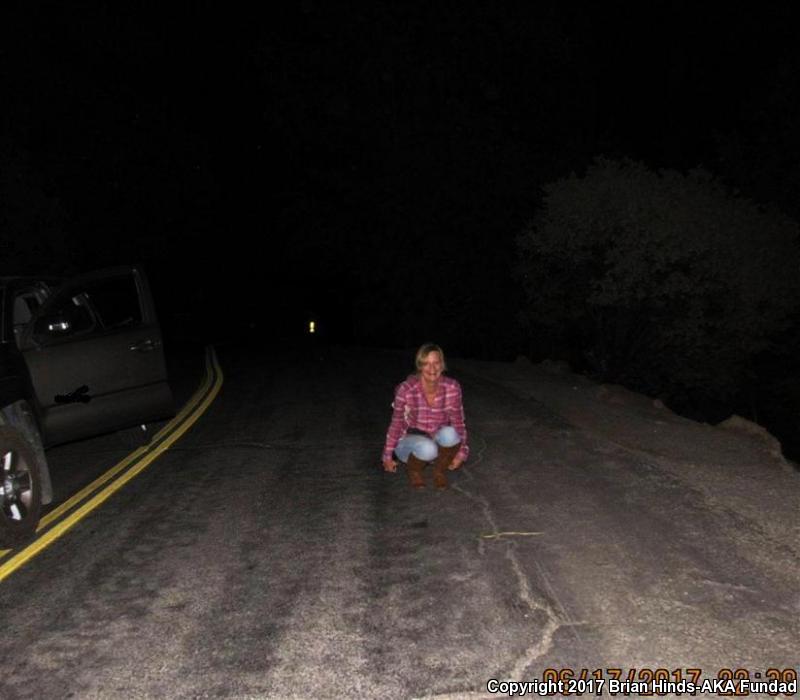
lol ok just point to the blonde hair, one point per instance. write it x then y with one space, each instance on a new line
424 350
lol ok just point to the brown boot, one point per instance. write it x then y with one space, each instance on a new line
446 455
415 467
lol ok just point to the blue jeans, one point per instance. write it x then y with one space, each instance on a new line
423 447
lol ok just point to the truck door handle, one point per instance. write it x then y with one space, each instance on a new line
80 395
147 345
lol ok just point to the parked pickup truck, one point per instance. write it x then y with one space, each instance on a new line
78 357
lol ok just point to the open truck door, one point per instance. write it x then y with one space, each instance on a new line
95 356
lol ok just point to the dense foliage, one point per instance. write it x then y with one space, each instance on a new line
663 281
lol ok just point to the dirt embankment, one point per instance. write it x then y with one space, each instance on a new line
736 465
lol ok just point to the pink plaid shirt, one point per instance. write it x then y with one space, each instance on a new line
411 410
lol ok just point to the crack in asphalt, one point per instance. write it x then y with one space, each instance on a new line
534 603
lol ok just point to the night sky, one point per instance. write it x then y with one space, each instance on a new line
348 158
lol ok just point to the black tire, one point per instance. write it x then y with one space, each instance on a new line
20 488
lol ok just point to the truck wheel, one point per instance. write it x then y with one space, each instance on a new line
20 488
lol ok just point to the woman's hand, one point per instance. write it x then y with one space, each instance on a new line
389 465
455 464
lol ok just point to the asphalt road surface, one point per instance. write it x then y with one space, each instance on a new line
267 556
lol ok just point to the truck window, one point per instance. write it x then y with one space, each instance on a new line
73 315
116 301
25 306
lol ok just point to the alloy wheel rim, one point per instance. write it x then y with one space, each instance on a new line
16 486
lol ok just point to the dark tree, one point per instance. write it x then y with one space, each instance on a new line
660 280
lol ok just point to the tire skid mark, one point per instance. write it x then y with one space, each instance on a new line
391 573
298 558
263 566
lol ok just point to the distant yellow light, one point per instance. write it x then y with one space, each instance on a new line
312 327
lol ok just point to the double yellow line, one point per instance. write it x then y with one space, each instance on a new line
62 518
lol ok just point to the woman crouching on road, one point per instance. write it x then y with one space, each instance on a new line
428 422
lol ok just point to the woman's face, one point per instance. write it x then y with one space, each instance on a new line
431 368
